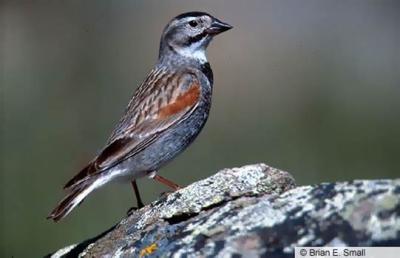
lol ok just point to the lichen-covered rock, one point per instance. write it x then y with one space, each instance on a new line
253 211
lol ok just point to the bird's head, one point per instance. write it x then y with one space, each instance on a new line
189 34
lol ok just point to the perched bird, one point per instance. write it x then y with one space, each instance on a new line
164 116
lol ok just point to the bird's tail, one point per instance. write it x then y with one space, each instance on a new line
75 196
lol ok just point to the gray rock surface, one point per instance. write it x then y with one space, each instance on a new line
253 211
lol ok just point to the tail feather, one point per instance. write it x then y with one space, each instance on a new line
81 176
74 198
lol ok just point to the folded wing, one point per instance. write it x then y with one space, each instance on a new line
158 104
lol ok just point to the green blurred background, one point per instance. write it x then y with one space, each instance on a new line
311 87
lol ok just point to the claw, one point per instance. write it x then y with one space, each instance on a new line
131 210
165 194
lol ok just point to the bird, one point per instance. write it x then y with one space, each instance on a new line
164 116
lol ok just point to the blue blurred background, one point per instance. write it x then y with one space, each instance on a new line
311 87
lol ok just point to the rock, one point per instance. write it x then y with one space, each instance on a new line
253 211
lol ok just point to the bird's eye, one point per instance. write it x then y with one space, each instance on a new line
193 23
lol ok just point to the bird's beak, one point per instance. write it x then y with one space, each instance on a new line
218 27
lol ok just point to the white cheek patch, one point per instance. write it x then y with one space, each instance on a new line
196 50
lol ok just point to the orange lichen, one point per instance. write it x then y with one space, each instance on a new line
148 250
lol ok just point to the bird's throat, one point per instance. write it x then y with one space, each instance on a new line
199 54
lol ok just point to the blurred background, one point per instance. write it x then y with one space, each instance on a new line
311 87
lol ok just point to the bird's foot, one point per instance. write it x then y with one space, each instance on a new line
131 210
165 194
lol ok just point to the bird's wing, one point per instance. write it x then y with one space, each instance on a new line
163 100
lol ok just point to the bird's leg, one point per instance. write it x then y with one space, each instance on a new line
167 182
139 201
164 181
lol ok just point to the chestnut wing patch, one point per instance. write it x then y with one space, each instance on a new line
187 99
